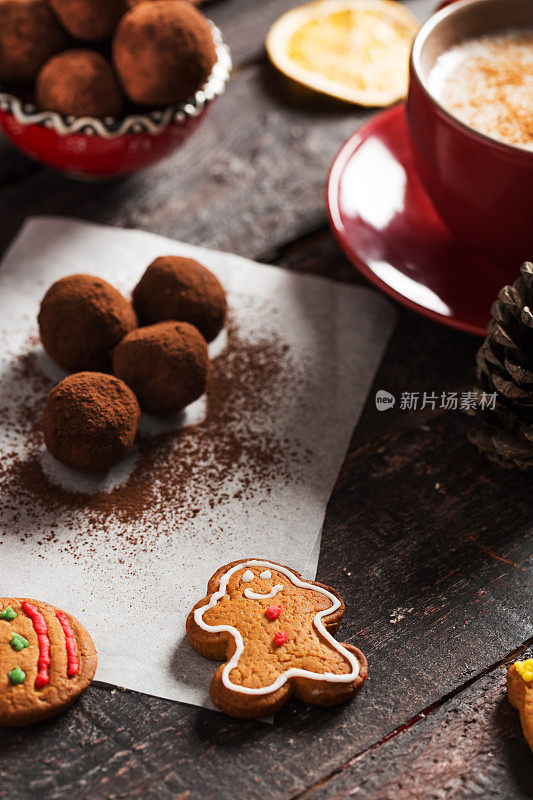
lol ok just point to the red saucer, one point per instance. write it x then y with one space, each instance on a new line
387 227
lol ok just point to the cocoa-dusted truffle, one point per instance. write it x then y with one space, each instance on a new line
90 421
163 52
90 20
180 288
166 365
79 83
81 320
29 35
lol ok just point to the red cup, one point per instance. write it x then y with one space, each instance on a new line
482 188
99 149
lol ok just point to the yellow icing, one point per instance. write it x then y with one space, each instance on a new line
525 669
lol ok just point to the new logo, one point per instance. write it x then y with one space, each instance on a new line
384 400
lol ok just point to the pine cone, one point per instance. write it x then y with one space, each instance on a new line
505 367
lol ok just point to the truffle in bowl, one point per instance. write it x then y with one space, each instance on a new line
94 146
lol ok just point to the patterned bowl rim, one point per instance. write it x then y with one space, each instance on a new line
152 122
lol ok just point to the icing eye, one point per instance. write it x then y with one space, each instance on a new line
266 575
248 576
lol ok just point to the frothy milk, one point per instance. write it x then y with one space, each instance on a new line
487 83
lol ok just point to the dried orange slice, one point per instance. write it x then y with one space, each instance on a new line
355 50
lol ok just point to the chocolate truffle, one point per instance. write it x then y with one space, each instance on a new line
90 421
90 20
81 320
180 288
80 83
163 52
29 35
166 365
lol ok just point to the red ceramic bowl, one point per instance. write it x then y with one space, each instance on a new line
482 188
90 148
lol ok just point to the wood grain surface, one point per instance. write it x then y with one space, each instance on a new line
429 544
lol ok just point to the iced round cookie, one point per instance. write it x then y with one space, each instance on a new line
47 659
520 691
273 631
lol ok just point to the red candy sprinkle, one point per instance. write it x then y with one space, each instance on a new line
280 638
273 612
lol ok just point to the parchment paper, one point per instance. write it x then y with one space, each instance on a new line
134 598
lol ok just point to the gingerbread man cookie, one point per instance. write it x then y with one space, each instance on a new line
274 632
520 692
47 659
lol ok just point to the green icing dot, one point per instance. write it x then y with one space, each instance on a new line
16 676
8 614
18 642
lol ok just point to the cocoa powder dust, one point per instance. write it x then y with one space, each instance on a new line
225 457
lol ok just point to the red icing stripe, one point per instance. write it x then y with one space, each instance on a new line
73 663
40 628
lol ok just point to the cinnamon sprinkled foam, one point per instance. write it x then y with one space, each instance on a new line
487 83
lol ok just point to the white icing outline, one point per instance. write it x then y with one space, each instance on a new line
251 595
293 672
266 575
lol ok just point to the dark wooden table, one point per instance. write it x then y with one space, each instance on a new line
429 543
